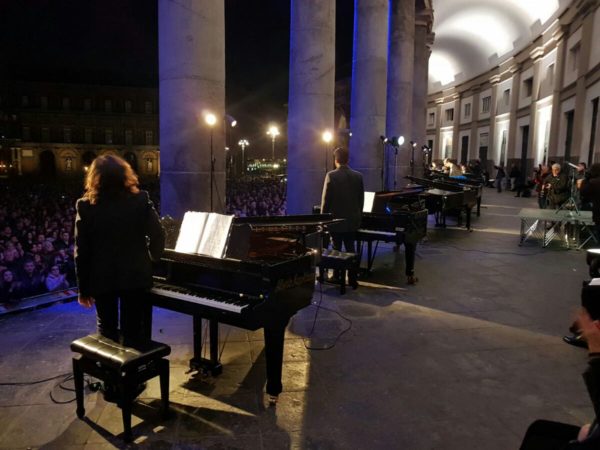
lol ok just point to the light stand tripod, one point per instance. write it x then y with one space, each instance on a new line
395 165
383 144
571 203
212 170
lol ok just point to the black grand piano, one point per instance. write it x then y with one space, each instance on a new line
267 275
468 180
442 198
396 217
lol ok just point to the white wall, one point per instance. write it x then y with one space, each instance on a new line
595 52
466 101
503 106
524 100
445 107
570 74
541 139
500 133
592 92
482 95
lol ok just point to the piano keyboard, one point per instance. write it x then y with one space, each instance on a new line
222 302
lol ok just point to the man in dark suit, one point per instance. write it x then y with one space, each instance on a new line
343 197
117 233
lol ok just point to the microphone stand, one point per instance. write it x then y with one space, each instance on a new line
212 170
395 165
382 164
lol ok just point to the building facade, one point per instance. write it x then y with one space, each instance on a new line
57 129
538 106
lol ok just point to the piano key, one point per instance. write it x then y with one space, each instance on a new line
222 302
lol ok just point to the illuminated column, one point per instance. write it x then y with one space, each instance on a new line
536 55
401 49
559 37
475 144
512 144
369 75
456 149
423 44
495 155
191 41
587 34
311 99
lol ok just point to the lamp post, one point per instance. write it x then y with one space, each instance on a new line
327 137
412 158
273 132
243 143
211 120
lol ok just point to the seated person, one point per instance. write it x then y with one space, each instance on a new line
547 435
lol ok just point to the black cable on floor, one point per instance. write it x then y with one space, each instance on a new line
30 383
488 252
319 307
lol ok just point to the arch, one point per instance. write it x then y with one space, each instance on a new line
47 164
150 163
67 161
131 158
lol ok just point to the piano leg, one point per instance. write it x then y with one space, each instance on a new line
468 215
210 366
274 338
478 206
409 258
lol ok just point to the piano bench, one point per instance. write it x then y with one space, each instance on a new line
125 368
342 263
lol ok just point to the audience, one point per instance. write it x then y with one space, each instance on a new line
256 197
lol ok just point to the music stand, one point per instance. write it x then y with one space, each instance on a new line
571 202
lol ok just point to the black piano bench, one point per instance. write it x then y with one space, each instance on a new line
123 367
342 263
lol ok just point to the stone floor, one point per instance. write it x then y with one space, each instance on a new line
465 359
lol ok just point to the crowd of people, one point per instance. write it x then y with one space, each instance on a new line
256 197
36 240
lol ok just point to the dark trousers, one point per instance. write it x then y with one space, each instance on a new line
547 435
348 238
125 317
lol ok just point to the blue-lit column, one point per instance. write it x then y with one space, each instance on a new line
369 76
401 49
311 100
191 41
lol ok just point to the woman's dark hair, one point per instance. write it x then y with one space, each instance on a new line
594 171
109 176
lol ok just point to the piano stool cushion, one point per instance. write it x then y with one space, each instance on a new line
111 353
334 259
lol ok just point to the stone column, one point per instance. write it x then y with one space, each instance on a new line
536 55
559 37
474 124
513 147
191 44
311 100
494 80
456 148
401 51
369 76
423 44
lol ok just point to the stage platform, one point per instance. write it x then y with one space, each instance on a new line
465 359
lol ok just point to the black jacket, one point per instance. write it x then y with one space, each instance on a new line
115 240
590 192
343 197
558 192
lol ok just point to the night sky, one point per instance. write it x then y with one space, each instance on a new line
116 42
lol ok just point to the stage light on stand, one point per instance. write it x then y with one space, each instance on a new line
327 137
243 143
273 132
211 120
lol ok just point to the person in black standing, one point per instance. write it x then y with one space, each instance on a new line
500 175
117 234
590 193
556 184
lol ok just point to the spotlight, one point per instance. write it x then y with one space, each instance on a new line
383 139
396 141
327 136
414 144
210 119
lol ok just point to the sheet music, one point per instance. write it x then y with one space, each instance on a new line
190 232
594 282
215 235
368 202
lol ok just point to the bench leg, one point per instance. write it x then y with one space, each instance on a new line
78 380
126 390
164 387
342 281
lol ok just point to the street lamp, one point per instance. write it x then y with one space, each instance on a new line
273 132
243 143
211 120
327 137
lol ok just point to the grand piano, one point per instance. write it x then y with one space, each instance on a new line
442 198
468 181
397 217
266 276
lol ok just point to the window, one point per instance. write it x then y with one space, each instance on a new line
527 87
149 137
431 119
148 107
107 106
88 136
25 101
506 97
467 110
87 104
67 135
449 114
45 134
574 56
128 106
128 137
44 102
485 106
108 136
26 135
66 103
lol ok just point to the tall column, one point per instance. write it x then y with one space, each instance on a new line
191 45
369 76
512 145
311 99
536 55
401 51
475 144
559 37
456 148
423 44
494 80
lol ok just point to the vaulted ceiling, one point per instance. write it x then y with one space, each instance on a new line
473 36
